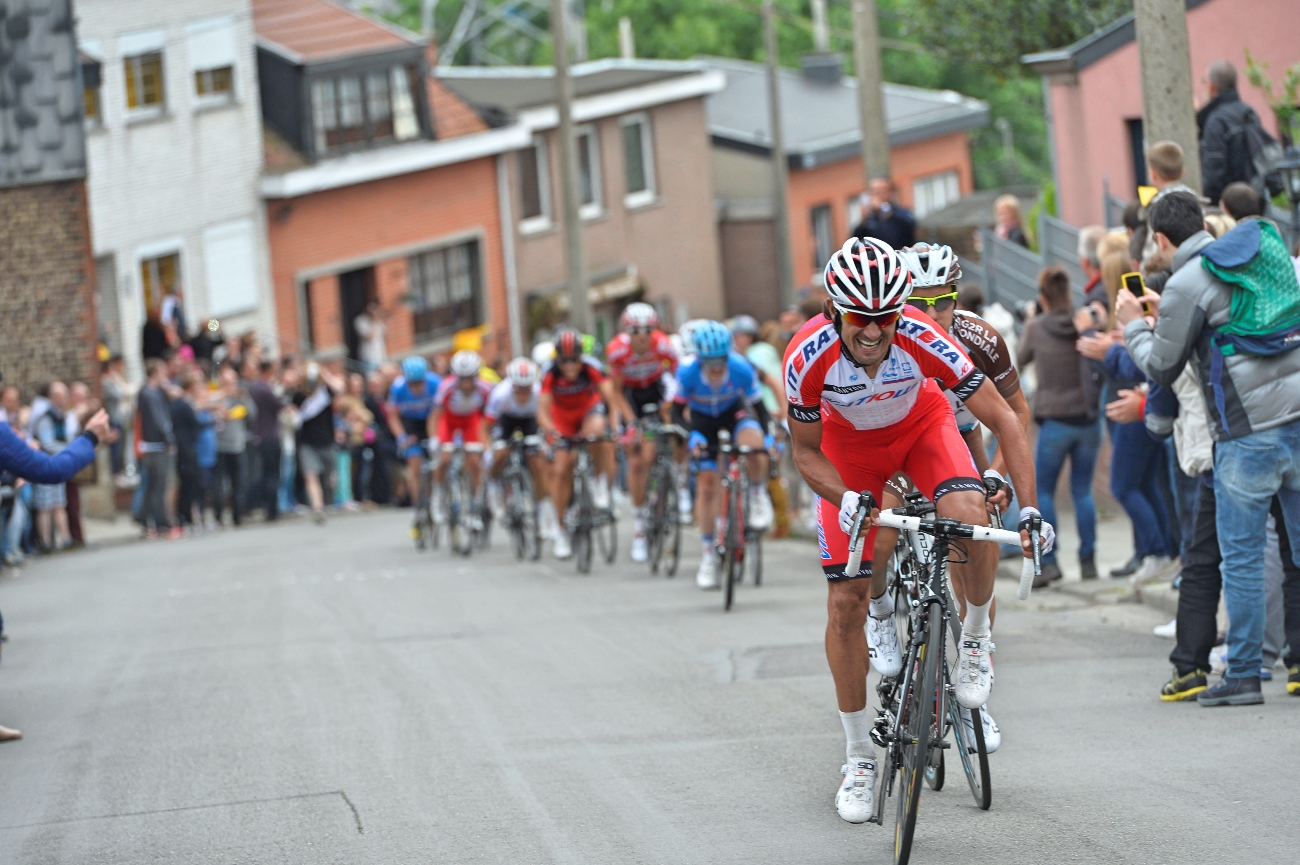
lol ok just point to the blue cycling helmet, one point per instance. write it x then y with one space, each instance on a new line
712 340
415 368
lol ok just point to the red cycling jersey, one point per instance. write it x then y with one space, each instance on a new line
452 400
641 370
573 399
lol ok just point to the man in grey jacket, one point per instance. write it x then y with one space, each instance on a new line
1254 415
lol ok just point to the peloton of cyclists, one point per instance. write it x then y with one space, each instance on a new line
459 414
410 400
512 408
575 398
641 361
864 405
721 391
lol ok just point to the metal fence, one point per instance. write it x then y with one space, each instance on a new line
1008 272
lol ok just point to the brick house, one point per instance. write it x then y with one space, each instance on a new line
644 169
929 159
378 184
1093 92
47 300
174 148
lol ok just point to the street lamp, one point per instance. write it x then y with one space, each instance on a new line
1289 169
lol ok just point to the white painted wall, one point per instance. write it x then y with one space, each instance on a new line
184 180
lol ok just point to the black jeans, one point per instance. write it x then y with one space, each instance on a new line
190 493
230 466
1198 595
266 485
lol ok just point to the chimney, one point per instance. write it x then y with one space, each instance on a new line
823 67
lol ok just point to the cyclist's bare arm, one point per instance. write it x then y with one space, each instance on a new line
623 406
616 401
992 410
975 444
431 424
394 423
544 413
817 470
1020 406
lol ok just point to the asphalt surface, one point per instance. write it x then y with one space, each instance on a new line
300 694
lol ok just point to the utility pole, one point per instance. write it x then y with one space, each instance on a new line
579 304
821 27
871 99
1167 110
780 202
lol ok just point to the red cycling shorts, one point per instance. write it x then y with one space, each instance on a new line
568 421
926 445
466 424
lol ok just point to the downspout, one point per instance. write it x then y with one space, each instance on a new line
1051 141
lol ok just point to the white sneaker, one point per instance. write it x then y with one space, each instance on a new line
975 670
853 800
882 645
1219 659
561 548
1169 631
707 576
600 494
1154 568
640 553
685 507
761 512
992 735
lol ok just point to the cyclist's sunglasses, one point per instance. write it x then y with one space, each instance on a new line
856 318
714 363
564 360
939 303
640 330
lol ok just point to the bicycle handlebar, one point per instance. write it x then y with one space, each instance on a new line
894 519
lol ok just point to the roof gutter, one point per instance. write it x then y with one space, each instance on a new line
627 100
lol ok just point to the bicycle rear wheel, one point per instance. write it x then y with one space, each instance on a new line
671 529
654 507
582 550
514 517
754 554
916 747
460 536
733 563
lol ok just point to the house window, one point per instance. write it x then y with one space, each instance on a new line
90 94
144 81
159 275
935 192
444 290
589 173
823 236
534 187
638 155
357 109
212 50
854 210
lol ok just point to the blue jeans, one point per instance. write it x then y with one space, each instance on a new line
1248 472
1137 466
1056 441
288 473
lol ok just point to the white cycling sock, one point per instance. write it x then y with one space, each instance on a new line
638 519
883 606
857 733
707 544
976 622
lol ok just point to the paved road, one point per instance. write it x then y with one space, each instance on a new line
298 694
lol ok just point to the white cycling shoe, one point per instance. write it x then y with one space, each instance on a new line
685 507
882 645
640 548
562 548
761 512
854 800
992 735
974 669
707 576
600 494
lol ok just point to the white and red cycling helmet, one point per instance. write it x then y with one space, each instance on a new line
522 372
639 315
868 275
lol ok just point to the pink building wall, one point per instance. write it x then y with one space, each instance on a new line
1091 109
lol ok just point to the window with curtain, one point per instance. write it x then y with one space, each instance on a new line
638 158
589 172
935 192
445 287
534 184
144 81
363 109
823 236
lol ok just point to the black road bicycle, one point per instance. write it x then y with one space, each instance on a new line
737 543
918 706
519 498
663 523
584 518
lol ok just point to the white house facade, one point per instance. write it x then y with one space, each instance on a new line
174 146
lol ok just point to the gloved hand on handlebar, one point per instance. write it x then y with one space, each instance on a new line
1047 534
997 492
696 441
848 510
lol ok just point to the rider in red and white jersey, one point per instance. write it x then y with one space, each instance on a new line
458 412
640 360
864 404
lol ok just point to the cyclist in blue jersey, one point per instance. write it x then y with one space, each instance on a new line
720 389
410 403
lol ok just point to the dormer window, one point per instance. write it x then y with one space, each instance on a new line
363 108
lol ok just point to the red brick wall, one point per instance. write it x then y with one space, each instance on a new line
342 226
323 302
47 296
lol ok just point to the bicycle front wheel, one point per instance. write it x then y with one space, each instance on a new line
733 562
670 529
916 733
607 536
974 756
461 537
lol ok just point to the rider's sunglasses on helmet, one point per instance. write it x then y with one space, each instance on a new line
939 303
857 318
